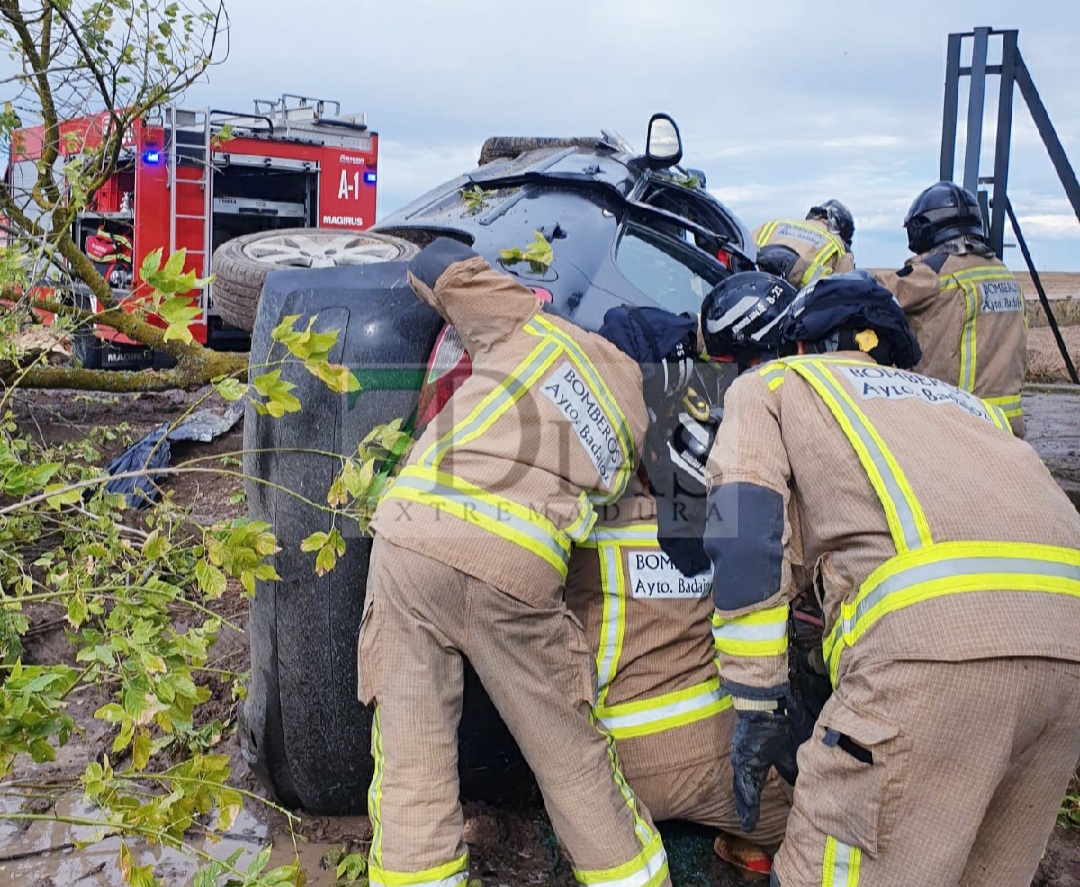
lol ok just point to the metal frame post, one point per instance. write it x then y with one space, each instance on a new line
952 108
976 107
1003 142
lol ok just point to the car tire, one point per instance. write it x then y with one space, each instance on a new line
509 147
303 732
241 264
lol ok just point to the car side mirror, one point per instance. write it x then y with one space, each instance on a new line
663 145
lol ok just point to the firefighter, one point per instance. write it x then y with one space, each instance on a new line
648 624
470 559
964 306
951 593
804 251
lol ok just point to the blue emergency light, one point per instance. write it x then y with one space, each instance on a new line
152 157
369 177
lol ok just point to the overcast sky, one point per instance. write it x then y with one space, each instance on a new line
781 104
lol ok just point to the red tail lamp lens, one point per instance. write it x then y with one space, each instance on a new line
448 366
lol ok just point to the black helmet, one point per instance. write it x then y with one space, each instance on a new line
775 258
841 221
740 317
942 212
835 313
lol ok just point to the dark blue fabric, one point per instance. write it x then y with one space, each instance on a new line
146 454
648 335
854 299
436 257
744 540
745 691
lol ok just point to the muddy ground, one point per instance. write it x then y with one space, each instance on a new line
509 847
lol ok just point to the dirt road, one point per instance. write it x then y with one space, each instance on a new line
514 848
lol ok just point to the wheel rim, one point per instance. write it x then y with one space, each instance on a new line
325 251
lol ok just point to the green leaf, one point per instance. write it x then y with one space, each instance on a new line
259 863
140 750
538 252
60 499
231 389
178 312
150 264
328 555
314 542
336 377
276 391
77 611
211 580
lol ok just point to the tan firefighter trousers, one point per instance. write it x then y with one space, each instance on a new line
934 774
420 617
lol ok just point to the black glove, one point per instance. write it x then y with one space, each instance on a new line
661 342
762 739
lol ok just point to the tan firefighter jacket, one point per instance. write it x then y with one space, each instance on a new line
504 480
934 533
821 252
967 311
649 626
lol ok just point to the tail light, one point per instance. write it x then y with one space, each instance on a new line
724 258
448 366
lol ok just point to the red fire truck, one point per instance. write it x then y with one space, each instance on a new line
195 179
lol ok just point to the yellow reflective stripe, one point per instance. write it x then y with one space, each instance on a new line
968 340
965 281
449 874
495 403
583 524
496 514
842 864
773 374
1009 404
541 326
647 869
907 522
641 828
766 232
951 568
817 265
612 620
645 717
375 791
760 633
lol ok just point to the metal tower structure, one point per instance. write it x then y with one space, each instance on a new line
1011 72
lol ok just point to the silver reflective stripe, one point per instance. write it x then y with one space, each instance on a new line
490 510
959 568
892 487
510 388
652 867
595 382
845 859
733 631
450 881
745 303
617 722
623 534
609 632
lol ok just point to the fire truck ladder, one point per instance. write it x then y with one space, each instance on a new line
188 136
996 207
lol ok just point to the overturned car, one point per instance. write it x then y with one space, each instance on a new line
622 229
